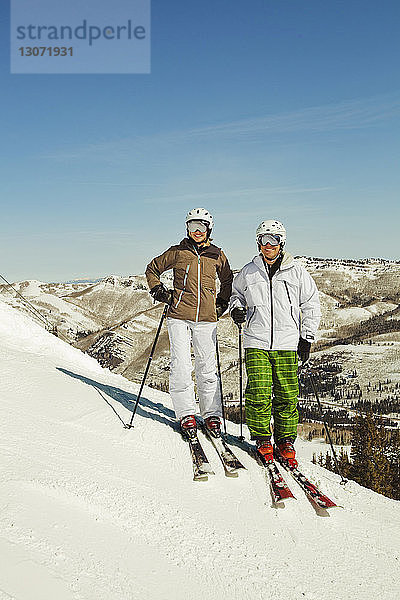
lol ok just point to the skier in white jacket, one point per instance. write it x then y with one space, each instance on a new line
277 300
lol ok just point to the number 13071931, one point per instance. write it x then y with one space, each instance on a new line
46 51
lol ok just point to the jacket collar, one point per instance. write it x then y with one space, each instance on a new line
287 262
210 251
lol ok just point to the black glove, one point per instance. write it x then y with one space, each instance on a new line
161 294
221 306
303 350
239 315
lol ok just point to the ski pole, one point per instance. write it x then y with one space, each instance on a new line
128 426
241 437
220 384
326 428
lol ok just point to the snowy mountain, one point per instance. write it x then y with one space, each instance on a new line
115 321
91 510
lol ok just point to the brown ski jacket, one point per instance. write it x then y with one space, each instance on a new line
195 272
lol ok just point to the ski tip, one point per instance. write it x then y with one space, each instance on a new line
328 504
206 468
280 502
284 494
231 474
202 477
240 466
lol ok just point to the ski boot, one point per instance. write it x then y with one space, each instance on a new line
189 427
213 426
265 450
285 450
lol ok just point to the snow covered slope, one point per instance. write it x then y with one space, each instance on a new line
92 511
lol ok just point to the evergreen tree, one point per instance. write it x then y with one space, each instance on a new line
394 460
370 465
344 463
329 462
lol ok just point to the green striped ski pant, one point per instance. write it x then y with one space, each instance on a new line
272 384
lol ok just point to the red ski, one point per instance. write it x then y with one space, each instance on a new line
279 488
310 489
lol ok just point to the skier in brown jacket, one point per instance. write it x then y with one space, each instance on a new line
192 316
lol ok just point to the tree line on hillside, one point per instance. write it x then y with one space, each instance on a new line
108 351
349 391
362 330
331 383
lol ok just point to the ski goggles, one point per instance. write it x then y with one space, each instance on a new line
268 238
201 226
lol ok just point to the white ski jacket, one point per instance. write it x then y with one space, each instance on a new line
279 310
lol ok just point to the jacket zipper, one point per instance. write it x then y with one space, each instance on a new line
290 302
198 287
184 284
272 313
254 312
272 307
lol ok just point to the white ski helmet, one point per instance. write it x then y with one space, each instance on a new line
273 228
200 214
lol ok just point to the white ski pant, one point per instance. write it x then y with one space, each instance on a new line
203 336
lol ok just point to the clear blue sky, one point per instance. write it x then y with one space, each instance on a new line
280 109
